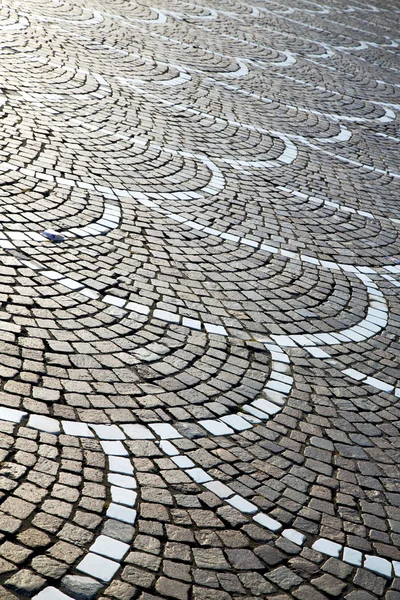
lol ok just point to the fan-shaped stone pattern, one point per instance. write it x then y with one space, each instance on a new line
199 383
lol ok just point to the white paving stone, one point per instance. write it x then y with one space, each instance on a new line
198 475
327 547
236 422
138 432
219 489
267 522
266 406
192 323
317 352
353 557
114 448
242 504
354 374
120 465
46 424
165 431
141 309
284 340
379 384
51 593
182 461
275 397
75 428
99 567
108 432
121 513
215 329
216 427
123 496
165 315
279 386
168 448
378 565
10 414
109 547
71 283
114 300
255 412
294 536
122 481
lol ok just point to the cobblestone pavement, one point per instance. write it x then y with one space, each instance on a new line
199 383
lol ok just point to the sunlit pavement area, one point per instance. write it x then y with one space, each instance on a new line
199 288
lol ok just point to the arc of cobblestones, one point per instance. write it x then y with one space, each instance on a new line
148 339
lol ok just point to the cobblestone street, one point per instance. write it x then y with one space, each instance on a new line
199 300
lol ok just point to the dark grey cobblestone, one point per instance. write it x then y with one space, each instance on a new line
199 381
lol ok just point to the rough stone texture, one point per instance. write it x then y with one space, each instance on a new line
207 355
81 588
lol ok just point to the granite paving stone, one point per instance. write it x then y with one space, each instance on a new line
199 300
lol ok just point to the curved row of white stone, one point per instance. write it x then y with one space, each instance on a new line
278 387
103 565
105 555
97 17
342 24
375 321
290 152
184 77
335 205
344 135
112 214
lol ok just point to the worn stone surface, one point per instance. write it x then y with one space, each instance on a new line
199 314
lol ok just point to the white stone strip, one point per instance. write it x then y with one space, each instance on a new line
109 220
233 236
134 308
335 205
21 23
344 159
161 19
290 57
223 491
241 71
249 509
329 51
374 322
95 17
105 555
343 136
111 216
375 382
285 136
388 116
183 77
271 400
152 21
287 157
51 593
212 14
212 189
